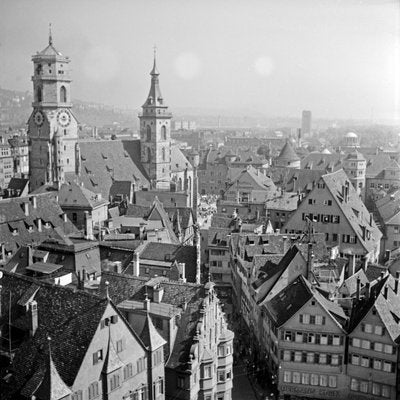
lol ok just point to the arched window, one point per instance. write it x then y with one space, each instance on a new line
63 94
164 132
179 188
148 133
148 155
163 153
39 94
190 184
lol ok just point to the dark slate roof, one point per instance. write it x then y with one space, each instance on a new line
302 180
62 312
387 307
389 208
290 300
106 161
287 153
259 180
322 161
172 252
73 195
48 210
379 162
18 184
285 201
121 188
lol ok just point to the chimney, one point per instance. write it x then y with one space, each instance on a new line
385 292
353 264
88 226
39 224
396 283
136 264
30 255
118 267
358 288
371 218
382 275
64 217
182 267
34 201
367 290
158 294
146 303
33 318
26 209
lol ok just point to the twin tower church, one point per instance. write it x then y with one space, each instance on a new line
151 164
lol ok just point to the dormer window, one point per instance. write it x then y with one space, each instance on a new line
150 100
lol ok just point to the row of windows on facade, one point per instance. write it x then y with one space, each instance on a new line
311 358
370 362
223 375
63 94
324 218
372 185
312 338
306 378
375 388
376 346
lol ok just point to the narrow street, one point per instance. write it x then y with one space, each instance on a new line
242 389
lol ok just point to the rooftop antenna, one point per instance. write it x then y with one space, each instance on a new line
50 35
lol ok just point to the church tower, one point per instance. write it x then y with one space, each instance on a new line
355 166
155 135
52 128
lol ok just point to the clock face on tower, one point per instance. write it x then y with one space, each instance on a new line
63 118
38 118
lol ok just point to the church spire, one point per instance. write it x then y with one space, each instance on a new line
50 36
154 71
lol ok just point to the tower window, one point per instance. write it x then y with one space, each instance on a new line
63 94
39 69
148 133
163 154
65 132
39 94
164 132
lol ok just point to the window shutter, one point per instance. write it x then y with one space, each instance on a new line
340 360
317 339
363 327
304 337
341 340
328 359
281 354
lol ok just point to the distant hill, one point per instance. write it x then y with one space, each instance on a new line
16 107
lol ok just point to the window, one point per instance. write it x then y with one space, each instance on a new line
93 390
323 380
305 378
376 389
148 133
324 339
365 344
63 94
364 386
296 377
221 376
97 356
114 382
297 356
388 366
354 385
287 376
336 340
332 381
39 94
207 371
164 132
128 371
378 346
367 328
356 342
385 391
355 359
310 358
378 330
365 362
119 346
335 359
314 380
388 349
322 359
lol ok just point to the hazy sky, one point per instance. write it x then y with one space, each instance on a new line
337 58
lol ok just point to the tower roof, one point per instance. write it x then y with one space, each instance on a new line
287 153
50 50
154 98
150 337
355 155
52 386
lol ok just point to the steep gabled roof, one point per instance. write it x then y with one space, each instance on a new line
353 209
62 312
73 195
